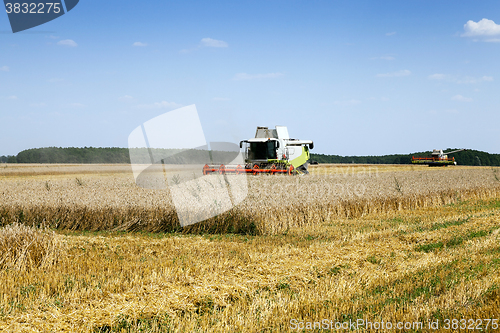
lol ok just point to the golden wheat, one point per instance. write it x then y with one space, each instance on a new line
367 268
273 205
346 243
25 248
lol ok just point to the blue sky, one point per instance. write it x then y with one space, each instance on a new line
357 77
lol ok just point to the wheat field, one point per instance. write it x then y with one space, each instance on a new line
346 243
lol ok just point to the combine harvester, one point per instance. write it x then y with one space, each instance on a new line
438 158
270 152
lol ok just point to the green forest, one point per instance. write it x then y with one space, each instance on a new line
70 155
118 155
121 155
467 157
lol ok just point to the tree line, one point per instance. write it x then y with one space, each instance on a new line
70 155
118 155
467 157
121 155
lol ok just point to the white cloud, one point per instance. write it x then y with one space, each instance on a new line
12 97
484 27
461 98
139 44
126 98
463 80
403 72
67 42
160 105
206 42
38 105
54 37
209 42
469 79
4 68
391 33
437 77
245 76
220 99
347 102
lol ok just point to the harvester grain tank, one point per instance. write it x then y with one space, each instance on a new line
438 158
272 151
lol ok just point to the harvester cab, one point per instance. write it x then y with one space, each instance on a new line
272 151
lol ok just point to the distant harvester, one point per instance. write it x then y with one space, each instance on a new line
438 158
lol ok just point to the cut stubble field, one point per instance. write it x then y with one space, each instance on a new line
379 243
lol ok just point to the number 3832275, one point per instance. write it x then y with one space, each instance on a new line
471 324
33 8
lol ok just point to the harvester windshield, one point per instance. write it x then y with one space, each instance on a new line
262 150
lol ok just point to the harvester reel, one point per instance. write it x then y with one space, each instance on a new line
273 169
222 169
255 169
